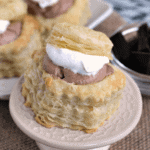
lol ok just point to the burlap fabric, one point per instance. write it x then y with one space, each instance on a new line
12 138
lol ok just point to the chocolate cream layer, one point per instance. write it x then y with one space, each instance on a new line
76 78
11 34
51 11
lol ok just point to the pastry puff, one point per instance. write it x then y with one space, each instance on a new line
15 56
79 13
56 102
12 9
80 39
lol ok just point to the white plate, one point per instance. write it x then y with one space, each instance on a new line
100 11
122 122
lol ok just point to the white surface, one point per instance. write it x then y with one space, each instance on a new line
3 25
6 85
120 124
75 61
44 147
46 3
100 11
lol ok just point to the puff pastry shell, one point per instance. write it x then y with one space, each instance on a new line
15 56
58 103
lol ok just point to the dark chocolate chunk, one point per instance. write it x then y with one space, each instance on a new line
143 44
135 54
121 47
133 44
141 62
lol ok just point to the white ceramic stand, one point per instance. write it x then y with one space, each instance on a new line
122 122
44 147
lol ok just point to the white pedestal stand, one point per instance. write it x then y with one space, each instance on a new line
122 122
44 147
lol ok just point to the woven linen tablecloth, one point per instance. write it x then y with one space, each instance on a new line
12 138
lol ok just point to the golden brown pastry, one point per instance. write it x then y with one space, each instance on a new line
12 9
17 44
80 39
59 102
72 11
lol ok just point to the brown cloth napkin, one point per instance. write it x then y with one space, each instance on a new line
12 138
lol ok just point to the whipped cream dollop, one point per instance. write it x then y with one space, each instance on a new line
45 3
75 61
3 25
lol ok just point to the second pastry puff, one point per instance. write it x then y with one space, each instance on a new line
49 12
19 37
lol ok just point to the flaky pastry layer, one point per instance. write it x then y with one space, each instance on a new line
10 69
82 39
12 9
17 54
58 103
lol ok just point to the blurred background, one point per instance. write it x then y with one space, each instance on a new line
132 10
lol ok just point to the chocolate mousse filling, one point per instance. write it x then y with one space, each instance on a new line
11 34
51 11
76 78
